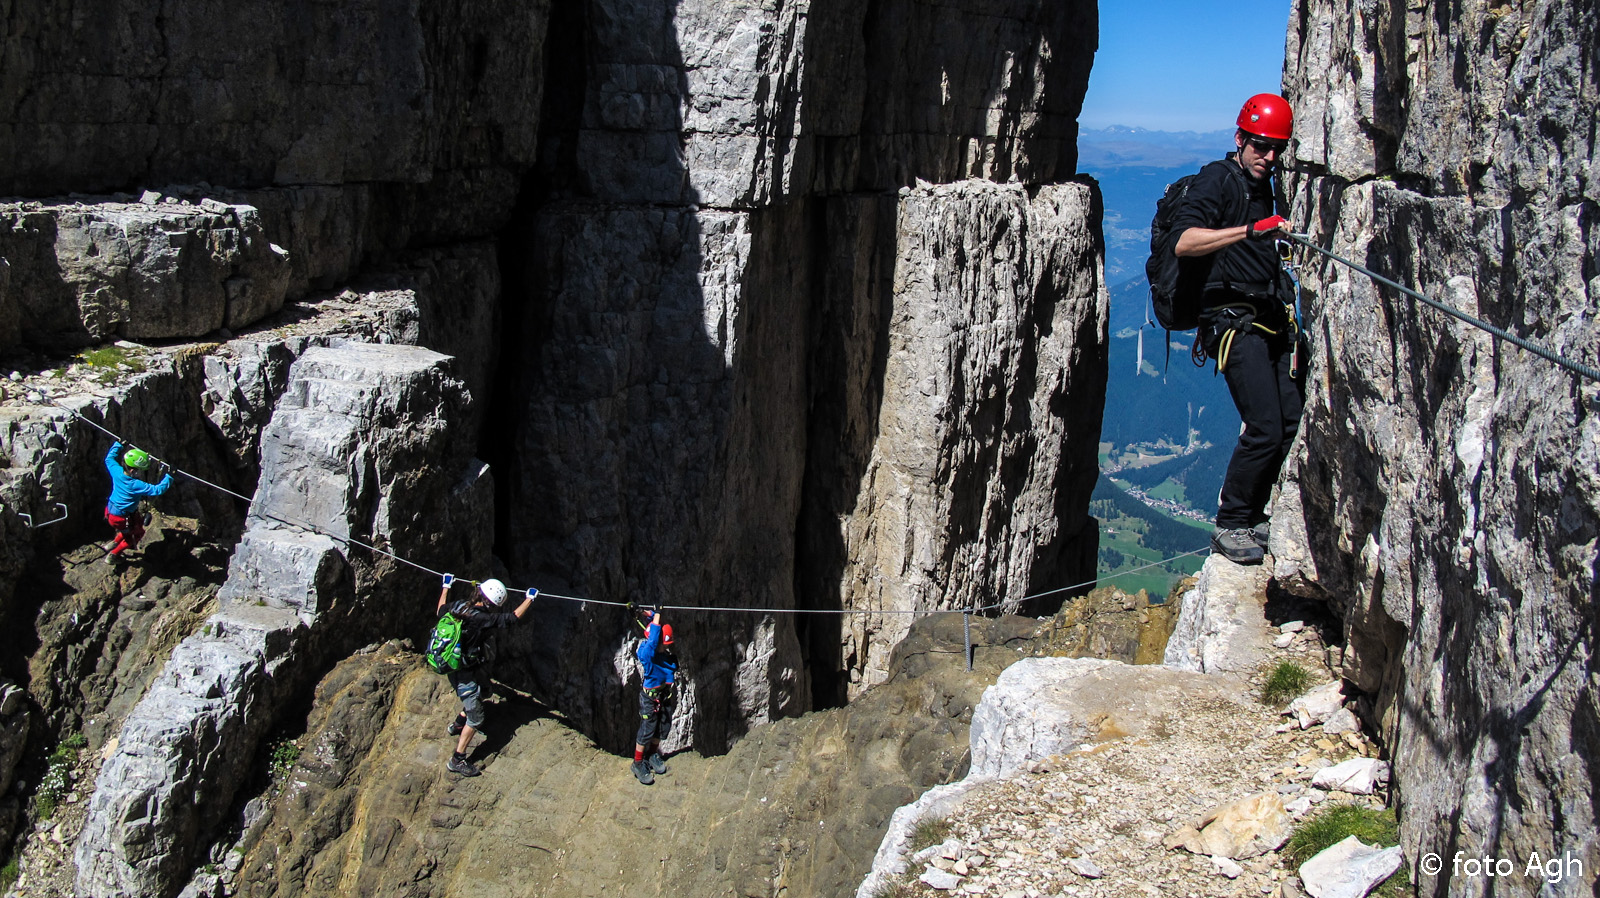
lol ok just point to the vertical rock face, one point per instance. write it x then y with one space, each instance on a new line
801 309
258 149
972 483
763 378
1452 479
141 271
742 103
346 449
98 96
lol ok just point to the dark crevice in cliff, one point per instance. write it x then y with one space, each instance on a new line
520 324
524 319
847 353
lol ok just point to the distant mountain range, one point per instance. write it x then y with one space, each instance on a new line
1134 167
1122 147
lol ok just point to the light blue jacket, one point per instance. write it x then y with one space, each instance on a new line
126 490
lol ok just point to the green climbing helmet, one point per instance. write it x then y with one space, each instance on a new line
136 458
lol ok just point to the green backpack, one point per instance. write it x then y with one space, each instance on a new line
444 649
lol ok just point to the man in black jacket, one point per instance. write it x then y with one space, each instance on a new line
1231 217
477 616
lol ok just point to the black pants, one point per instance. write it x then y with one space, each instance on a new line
1269 403
655 715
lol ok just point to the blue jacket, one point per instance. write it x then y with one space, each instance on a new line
659 667
126 491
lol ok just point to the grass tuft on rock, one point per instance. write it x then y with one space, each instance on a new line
1338 822
281 757
1285 683
895 888
58 776
928 832
112 356
109 361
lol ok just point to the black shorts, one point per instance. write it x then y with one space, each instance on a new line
655 714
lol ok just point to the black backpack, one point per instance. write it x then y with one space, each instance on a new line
1177 286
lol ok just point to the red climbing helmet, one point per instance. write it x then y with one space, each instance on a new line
666 634
1267 115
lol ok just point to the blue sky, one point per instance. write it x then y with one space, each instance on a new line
1183 66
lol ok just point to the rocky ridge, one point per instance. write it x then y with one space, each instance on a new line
356 426
367 770
1443 497
101 646
1076 764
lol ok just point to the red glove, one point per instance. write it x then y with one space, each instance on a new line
1266 226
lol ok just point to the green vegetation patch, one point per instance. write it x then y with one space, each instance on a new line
1168 489
58 777
112 356
1338 822
110 361
1285 683
281 757
895 889
928 832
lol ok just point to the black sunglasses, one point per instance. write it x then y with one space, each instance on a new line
1267 146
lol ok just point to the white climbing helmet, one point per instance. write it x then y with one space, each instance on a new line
494 591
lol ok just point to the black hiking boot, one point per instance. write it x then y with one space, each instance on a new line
1261 532
657 763
456 726
460 764
1238 546
642 771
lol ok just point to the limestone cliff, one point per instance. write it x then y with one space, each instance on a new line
762 363
1447 484
780 304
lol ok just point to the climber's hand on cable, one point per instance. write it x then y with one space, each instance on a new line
1275 226
449 579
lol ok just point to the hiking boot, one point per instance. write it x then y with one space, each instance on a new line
642 771
1261 532
657 763
456 726
1238 546
460 764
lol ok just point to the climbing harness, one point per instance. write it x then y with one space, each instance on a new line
1296 322
1241 317
1577 367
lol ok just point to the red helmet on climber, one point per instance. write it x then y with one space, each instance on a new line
1267 115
